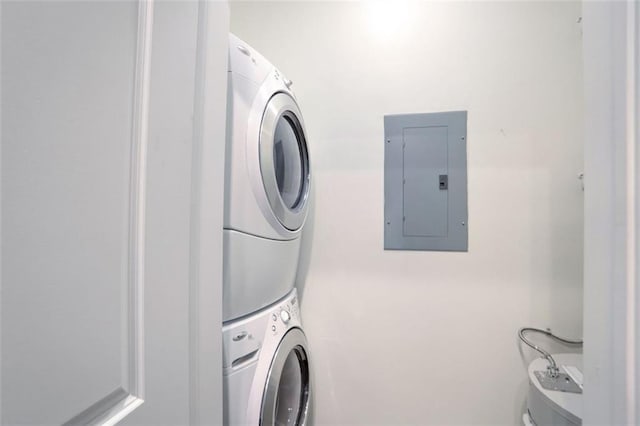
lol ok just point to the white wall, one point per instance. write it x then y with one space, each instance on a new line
426 337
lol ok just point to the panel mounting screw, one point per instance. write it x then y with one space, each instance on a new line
388 222
462 138
462 223
388 140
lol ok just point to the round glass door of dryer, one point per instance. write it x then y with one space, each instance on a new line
287 391
284 161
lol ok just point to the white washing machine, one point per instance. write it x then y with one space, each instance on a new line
267 181
267 375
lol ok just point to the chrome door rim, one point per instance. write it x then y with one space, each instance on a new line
293 340
279 106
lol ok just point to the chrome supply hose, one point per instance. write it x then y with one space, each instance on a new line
553 367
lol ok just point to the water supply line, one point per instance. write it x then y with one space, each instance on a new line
552 368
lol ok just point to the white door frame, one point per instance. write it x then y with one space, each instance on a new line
207 195
612 168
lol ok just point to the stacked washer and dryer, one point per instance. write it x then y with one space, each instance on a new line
267 376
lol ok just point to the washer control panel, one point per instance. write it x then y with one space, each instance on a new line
245 338
285 315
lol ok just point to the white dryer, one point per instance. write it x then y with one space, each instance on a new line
267 181
267 374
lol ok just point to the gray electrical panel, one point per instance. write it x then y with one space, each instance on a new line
425 181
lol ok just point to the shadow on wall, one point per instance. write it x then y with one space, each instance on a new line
566 259
556 301
306 245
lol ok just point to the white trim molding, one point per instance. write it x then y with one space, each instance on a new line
612 166
140 141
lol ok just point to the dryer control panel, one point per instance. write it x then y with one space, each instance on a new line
246 61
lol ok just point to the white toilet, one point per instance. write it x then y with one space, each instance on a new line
551 407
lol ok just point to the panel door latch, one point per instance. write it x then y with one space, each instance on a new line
444 182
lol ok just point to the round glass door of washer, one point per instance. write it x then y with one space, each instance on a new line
286 399
284 161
